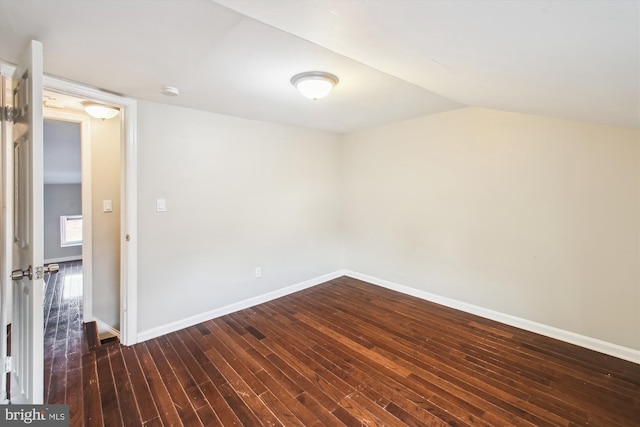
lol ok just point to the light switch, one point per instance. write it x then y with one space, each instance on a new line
161 205
107 206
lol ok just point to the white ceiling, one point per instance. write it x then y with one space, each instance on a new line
567 58
395 59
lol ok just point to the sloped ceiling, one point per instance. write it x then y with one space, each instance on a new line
566 58
395 59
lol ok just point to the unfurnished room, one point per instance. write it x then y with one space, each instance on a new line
320 213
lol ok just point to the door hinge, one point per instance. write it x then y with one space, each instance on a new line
6 113
7 364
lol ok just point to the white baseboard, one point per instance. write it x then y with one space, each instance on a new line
64 259
528 325
203 317
518 322
104 327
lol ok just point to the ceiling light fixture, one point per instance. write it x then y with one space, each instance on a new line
170 91
314 84
100 111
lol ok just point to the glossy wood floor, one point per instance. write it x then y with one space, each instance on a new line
63 334
343 353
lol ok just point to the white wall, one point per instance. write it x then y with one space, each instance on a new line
533 217
240 194
105 185
529 216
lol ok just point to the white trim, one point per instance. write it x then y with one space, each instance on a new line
129 211
6 237
528 325
64 259
7 70
105 327
241 305
129 225
63 231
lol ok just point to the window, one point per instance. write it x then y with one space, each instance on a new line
71 230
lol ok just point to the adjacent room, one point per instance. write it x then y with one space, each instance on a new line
449 234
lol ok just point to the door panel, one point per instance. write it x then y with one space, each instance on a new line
27 370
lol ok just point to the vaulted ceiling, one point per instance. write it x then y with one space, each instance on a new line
396 59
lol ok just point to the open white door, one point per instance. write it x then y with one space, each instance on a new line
27 367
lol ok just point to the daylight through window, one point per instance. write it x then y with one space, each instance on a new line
71 230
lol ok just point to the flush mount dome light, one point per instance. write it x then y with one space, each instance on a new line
100 111
170 91
314 84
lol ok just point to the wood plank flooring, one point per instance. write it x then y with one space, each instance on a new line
344 353
63 332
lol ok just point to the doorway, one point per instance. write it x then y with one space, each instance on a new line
75 135
63 244
62 178
126 236
128 232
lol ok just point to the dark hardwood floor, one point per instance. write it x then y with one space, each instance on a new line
63 334
341 353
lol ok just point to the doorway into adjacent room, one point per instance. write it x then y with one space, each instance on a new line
63 245
82 205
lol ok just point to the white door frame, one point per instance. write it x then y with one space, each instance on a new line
129 237
87 248
128 196
6 238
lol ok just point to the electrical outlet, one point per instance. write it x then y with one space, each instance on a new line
258 272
